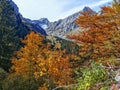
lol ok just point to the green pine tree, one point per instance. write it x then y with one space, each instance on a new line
9 42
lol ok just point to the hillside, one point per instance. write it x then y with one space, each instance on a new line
12 29
44 55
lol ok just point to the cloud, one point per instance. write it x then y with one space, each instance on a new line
80 7
54 9
71 4
99 3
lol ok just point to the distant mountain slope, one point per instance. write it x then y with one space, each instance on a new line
33 26
59 28
62 27
43 22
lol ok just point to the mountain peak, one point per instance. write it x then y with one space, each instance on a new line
86 9
44 20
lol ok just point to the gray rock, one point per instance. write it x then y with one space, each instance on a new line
63 26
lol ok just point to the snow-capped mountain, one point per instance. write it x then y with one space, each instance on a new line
43 22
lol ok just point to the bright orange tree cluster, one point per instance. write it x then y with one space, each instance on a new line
100 37
55 65
38 60
25 61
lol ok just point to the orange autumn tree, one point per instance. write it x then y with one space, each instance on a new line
100 37
38 60
25 61
56 70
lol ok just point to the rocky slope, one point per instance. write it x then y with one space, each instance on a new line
33 26
43 22
62 27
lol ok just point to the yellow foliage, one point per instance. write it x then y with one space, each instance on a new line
44 87
36 59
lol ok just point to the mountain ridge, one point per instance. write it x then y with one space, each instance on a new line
22 22
59 28
62 27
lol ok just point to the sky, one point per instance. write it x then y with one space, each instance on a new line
55 9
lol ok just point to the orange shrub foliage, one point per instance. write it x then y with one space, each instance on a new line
38 60
101 35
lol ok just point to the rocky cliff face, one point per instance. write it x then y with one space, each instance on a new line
33 26
43 22
64 26
61 27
